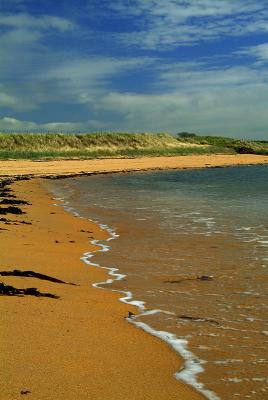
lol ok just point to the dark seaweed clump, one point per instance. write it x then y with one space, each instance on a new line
8 290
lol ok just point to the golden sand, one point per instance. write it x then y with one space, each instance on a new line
124 164
78 346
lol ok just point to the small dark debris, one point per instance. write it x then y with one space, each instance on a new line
5 182
10 221
23 177
201 278
56 241
72 241
130 315
177 280
22 392
205 278
16 202
6 194
5 191
198 319
11 210
60 176
7 290
32 274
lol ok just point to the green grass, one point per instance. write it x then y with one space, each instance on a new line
37 146
97 145
127 153
237 145
60 141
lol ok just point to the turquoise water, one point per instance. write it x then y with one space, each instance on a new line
193 243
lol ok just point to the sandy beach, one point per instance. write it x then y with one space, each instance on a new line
79 344
65 167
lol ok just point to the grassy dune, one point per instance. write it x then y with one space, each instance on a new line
237 145
98 145
101 145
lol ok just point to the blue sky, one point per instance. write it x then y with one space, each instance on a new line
135 65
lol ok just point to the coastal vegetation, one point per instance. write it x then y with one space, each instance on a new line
103 145
237 145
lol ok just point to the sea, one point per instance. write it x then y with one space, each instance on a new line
189 248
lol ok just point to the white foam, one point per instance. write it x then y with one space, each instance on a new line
192 365
227 361
234 380
245 228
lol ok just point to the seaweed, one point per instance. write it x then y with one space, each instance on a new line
32 274
11 210
14 202
8 290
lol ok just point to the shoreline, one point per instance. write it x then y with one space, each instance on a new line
191 364
61 168
29 315
79 345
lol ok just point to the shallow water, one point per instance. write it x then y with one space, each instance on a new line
193 243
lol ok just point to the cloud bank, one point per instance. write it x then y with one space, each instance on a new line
197 65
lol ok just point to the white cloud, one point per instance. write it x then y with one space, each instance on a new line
77 81
201 77
7 101
239 111
33 72
170 23
260 52
42 23
92 70
230 102
200 96
15 125
188 8
23 45
85 80
19 36
14 97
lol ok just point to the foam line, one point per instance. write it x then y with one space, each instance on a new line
192 365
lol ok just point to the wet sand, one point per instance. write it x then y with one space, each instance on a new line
78 346
65 167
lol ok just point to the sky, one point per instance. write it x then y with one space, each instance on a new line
135 65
